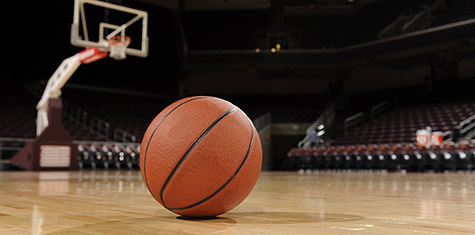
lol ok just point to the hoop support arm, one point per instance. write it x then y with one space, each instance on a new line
62 74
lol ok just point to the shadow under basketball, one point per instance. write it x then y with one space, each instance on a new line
261 217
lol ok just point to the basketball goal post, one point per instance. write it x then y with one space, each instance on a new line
116 44
59 79
53 147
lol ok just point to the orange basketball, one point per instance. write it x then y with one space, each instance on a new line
200 157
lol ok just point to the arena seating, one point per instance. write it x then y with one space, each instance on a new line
134 113
19 122
128 112
400 126
102 155
18 114
79 132
391 157
17 118
387 142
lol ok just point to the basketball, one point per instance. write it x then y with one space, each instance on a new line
201 156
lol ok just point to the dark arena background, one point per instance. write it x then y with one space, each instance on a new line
365 110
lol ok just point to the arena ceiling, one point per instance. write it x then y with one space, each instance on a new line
290 7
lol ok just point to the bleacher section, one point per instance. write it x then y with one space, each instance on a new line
80 132
400 126
391 157
18 115
130 113
133 113
388 141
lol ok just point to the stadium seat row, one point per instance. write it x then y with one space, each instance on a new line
108 156
400 125
383 156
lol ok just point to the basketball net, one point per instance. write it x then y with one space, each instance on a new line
117 47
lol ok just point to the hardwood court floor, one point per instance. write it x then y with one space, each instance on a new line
117 202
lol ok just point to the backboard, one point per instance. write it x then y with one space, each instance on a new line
96 22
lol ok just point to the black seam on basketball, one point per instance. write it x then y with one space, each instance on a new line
228 181
195 143
151 136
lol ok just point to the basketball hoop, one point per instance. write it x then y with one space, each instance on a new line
117 46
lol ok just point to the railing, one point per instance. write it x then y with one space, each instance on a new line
78 115
123 136
353 121
394 28
9 147
361 117
96 124
448 137
421 19
379 109
325 119
466 125
100 126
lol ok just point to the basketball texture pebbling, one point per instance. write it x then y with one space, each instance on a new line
200 157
